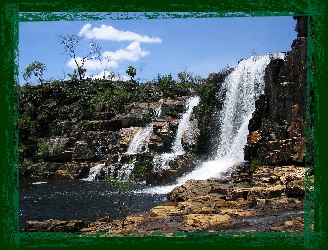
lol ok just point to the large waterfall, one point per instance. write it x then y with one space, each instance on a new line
243 86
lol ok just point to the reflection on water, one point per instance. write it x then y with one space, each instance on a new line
42 199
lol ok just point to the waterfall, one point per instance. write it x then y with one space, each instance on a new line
243 86
161 161
140 141
93 172
177 148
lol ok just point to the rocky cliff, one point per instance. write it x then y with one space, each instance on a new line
281 129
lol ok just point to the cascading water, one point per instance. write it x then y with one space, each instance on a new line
140 140
243 86
93 172
161 161
139 144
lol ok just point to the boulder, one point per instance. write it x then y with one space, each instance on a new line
175 168
194 188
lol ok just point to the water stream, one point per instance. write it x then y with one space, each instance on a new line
162 161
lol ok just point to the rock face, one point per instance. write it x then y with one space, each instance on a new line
71 141
277 130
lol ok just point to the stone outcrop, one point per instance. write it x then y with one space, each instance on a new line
277 130
69 148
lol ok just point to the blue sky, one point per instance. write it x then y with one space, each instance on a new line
155 46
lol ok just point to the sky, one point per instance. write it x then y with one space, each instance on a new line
154 46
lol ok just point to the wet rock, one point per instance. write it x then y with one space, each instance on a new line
294 225
82 151
194 188
55 226
176 167
126 136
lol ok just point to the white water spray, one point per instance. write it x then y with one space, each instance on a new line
139 143
93 172
243 86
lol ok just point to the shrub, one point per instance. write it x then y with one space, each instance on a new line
254 164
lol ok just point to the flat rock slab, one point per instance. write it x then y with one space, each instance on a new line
55 226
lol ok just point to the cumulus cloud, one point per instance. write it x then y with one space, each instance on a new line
110 59
110 33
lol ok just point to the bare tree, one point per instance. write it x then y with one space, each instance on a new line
71 44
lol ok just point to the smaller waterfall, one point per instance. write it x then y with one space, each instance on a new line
140 141
125 171
177 148
161 161
93 172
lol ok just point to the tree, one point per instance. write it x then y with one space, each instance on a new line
35 68
71 44
126 187
131 71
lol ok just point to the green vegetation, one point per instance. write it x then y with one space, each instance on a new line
254 164
35 68
126 190
43 150
65 108
131 71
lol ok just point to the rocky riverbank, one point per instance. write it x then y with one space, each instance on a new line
268 199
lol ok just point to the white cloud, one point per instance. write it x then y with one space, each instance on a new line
108 73
110 33
131 53
111 59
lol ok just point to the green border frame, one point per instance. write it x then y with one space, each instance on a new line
70 10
